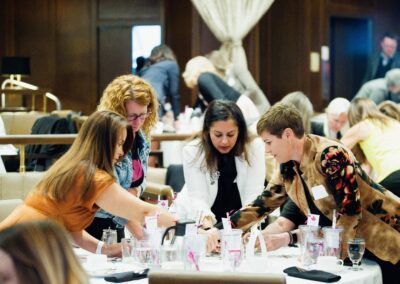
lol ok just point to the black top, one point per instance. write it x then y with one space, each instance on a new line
212 87
228 198
138 173
293 213
382 69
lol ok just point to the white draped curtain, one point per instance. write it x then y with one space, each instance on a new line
230 21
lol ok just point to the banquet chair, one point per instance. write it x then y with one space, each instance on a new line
7 206
187 277
18 185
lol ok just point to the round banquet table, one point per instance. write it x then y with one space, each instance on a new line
277 261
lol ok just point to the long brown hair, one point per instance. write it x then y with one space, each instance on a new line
364 108
93 149
131 88
222 110
42 253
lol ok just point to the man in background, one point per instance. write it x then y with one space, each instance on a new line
335 121
382 89
384 61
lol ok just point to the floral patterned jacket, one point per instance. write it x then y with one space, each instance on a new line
365 208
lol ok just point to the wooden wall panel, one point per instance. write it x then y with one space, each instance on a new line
115 56
146 10
61 38
74 54
280 32
7 27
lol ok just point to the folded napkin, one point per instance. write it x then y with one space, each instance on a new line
316 275
126 276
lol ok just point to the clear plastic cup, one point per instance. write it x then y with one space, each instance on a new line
332 241
232 248
194 247
128 248
307 233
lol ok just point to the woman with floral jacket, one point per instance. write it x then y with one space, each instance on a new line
320 176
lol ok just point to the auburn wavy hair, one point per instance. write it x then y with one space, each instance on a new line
131 88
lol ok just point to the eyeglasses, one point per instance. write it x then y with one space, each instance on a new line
142 116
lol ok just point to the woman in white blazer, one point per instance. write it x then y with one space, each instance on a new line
224 167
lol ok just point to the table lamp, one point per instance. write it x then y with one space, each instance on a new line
15 67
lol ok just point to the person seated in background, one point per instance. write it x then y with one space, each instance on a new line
382 89
162 72
83 180
378 136
335 122
224 166
134 99
390 109
200 73
38 252
365 208
239 78
303 104
379 64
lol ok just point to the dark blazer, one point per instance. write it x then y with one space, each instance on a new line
163 76
373 64
317 128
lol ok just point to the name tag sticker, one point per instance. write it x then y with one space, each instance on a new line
319 192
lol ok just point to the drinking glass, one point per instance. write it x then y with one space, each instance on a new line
314 247
332 241
355 249
307 233
128 246
109 236
232 248
171 257
146 254
194 247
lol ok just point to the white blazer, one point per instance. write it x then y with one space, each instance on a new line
200 191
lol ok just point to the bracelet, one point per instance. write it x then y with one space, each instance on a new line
290 239
99 247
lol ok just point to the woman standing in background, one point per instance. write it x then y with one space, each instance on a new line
162 72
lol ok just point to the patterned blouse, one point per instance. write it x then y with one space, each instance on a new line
365 208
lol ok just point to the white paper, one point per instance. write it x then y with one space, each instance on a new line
319 192
151 223
226 224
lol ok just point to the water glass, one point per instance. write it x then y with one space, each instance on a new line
146 254
128 249
109 236
355 249
194 247
232 248
332 241
306 233
171 257
314 248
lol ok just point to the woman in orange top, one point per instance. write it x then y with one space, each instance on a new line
82 181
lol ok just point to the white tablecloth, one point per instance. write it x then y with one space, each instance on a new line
276 263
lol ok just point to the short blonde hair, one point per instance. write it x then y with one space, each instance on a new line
194 68
131 88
